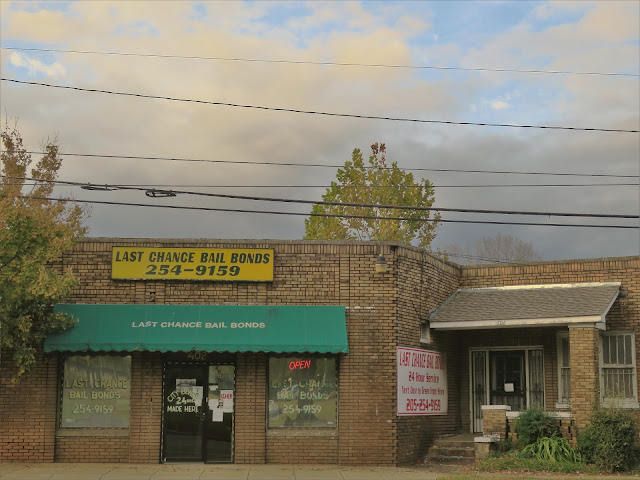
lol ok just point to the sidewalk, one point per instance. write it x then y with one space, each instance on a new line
127 471
93 471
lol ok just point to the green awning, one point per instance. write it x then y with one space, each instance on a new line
211 328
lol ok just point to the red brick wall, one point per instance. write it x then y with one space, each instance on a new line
305 273
366 420
250 405
96 449
623 315
425 282
28 411
138 444
383 311
294 449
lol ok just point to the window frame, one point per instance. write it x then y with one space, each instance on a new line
61 429
614 402
329 429
563 401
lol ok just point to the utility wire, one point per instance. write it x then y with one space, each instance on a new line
333 64
473 257
313 112
403 187
324 165
365 217
158 193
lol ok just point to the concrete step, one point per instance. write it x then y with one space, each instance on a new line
437 451
444 442
451 461
451 451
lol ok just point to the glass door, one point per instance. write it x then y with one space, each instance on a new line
184 415
198 412
219 423
508 381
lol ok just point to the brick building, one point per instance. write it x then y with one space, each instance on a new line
305 352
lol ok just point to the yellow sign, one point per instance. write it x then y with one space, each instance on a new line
204 264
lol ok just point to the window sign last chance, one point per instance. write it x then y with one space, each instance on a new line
200 264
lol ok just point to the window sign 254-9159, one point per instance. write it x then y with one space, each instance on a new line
302 392
96 391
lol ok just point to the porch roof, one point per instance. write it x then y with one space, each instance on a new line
574 304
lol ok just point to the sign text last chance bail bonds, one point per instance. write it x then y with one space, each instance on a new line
203 264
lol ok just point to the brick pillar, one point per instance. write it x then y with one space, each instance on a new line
585 384
250 404
494 420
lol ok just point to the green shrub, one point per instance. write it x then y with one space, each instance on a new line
505 445
533 424
609 440
553 449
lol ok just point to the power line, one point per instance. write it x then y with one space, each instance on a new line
473 257
159 193
263 212
332 64
314 112
495 185
324 165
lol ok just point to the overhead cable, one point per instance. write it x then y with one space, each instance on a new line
313 112
320 63
325 165
172 193
364 217
399 187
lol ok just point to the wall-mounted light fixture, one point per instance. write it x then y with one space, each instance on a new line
381 264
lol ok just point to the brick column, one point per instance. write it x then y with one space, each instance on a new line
494 420
585 384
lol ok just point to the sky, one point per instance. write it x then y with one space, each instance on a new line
470 38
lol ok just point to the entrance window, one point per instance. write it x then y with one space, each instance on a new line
618 379
502 376
302 392
96 391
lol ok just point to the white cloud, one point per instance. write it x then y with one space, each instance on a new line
35 66
499 105
96 123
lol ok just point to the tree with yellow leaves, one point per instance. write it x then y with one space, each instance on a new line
356 206
34 232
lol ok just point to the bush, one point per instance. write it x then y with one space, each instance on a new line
609 440
534 424
553 449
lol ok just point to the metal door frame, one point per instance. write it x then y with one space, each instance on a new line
205 366
519 348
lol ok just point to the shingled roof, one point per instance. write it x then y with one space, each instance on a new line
526 305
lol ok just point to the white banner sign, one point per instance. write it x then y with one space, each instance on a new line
422 382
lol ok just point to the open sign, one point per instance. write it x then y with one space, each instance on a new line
299 364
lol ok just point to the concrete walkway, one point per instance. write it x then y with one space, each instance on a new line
102 471
93 471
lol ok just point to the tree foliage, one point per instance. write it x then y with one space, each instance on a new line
34 232
377 185
499 248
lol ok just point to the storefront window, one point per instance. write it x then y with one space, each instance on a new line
96 391
302 392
